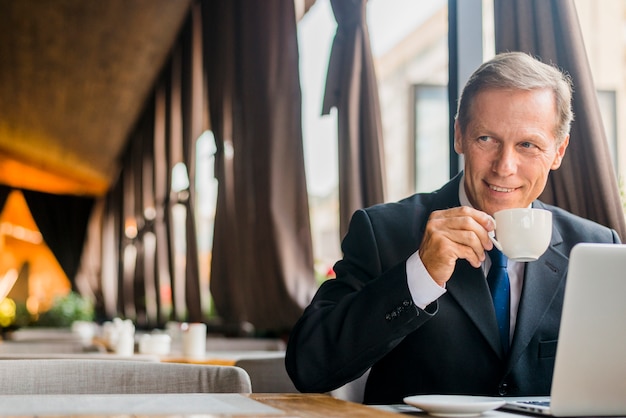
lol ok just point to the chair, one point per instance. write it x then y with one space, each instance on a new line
76 376
353 391
244 344
267 372
268 375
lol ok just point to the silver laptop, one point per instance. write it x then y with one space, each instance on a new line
590 367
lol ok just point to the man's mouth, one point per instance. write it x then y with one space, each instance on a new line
500 189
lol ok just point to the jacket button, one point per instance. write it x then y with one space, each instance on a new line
503 389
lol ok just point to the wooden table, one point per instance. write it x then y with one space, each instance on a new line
323 406
317 406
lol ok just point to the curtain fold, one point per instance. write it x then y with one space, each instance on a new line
262 264
586 183
138 229
62 221
219 46
351 87
131 224
111 233
180 198
194 124
88 280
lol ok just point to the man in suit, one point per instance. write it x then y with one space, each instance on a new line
411 301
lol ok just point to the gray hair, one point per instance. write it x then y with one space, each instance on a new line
519 71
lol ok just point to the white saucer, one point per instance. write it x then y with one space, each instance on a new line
454 405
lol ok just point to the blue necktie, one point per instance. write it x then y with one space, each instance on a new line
498 280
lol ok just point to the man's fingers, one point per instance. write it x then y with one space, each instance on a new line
452 234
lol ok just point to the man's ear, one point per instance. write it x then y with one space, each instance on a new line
458 138
560 153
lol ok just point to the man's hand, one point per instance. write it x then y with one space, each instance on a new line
451 234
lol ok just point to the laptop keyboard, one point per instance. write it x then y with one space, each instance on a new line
537 403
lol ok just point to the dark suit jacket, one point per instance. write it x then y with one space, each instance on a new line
365 318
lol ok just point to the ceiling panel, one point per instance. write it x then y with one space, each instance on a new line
74 75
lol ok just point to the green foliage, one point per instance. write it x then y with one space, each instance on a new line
65 310
23 318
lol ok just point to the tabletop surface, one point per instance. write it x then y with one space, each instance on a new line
183 405
197 405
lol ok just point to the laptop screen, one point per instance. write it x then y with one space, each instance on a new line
590 366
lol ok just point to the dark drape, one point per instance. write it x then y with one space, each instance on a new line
88 277
351 87
194 122
586 183
4 194
262 264
111 232
62 221
155 280
181 126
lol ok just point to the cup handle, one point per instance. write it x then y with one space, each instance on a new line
492 237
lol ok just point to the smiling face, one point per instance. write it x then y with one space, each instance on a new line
509 147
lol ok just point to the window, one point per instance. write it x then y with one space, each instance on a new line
409 43
206 198
608 108
431 145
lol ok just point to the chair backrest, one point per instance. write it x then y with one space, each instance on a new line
267 373
76 376
352 391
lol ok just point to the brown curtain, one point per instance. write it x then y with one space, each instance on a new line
586 183
194 123
351 87
185 126
153 284
262 263
111 231
126 290
88 277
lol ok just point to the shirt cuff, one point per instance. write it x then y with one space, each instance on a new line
422 287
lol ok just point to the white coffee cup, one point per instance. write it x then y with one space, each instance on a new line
194 340
522 234
156 344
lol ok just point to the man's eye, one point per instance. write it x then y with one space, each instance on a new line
527 145
484 138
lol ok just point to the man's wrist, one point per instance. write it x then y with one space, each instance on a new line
424 290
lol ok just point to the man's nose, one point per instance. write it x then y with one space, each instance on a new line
505 162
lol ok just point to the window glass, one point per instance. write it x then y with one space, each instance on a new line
432 149
205 203
409 44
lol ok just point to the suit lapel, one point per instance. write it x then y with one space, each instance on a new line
469 288
542 280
